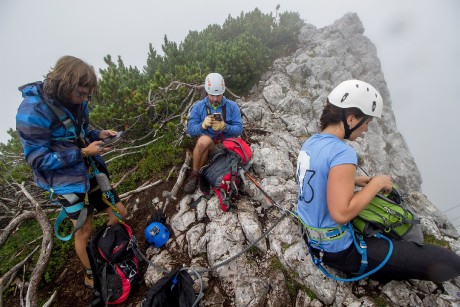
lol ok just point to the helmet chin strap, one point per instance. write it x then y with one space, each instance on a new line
349 131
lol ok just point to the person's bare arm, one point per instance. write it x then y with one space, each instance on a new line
343 203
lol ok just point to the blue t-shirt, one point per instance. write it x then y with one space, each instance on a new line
318 154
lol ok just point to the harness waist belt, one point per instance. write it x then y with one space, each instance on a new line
325 234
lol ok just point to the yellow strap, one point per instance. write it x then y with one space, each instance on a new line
114 208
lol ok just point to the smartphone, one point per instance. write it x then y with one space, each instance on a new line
217 116
109 141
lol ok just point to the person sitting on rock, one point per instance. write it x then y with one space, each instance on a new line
211 120
327 200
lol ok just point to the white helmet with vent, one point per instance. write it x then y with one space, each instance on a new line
357 94
214 84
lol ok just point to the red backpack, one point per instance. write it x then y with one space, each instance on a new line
113 259
223 172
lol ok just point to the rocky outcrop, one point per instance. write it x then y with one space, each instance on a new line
282 112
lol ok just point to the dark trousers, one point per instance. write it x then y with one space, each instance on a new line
408 261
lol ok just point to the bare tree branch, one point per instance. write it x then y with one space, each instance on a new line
180 179
126 176
45 251
122 155
125 195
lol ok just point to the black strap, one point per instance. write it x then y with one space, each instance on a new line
224 111
349 131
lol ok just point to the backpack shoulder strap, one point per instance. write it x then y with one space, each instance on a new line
61 115
224 112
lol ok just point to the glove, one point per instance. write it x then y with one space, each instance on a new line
207 122
218 125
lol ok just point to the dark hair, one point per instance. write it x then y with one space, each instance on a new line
333 114
69 73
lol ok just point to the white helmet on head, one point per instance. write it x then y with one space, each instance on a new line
357 94
214 84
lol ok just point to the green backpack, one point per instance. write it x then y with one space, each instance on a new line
389 215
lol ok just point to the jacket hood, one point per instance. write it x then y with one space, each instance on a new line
31 89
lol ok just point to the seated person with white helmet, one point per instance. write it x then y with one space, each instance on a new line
212 120
328 201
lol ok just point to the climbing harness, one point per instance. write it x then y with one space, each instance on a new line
75 207
317 235
107 197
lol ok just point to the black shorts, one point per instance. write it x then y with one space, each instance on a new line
95 200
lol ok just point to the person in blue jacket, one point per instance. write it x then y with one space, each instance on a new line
211 120
53 125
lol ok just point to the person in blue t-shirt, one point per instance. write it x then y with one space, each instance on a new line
327 197
211 120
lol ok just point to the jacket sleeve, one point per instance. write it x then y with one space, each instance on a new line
34 126
197 115
233 122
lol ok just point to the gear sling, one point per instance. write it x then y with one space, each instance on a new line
73 199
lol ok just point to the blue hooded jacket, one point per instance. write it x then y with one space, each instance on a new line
49 146
233 121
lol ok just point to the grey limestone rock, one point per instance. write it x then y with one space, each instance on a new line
281 113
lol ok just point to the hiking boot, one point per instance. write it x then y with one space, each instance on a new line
89 280
192 183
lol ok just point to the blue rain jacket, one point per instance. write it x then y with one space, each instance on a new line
49 147
233 121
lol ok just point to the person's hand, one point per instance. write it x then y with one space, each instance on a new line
207 122
384 182
218 125
107 133
361 181
95 148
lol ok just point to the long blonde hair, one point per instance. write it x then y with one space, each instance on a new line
69 73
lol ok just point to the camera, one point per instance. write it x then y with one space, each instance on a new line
217 116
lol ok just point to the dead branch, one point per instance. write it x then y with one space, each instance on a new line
171 171
6 232
180 180
125 195
231 93
177 84
123 155
135 147
13 270
50 300
126 176
45 251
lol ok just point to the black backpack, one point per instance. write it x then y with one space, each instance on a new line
115 266
223 173
173 290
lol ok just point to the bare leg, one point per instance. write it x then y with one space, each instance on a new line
81 239
204 146
112 217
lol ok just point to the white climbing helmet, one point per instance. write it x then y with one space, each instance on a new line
214 84
358 94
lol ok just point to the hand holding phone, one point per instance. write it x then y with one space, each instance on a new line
109 141
217 116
